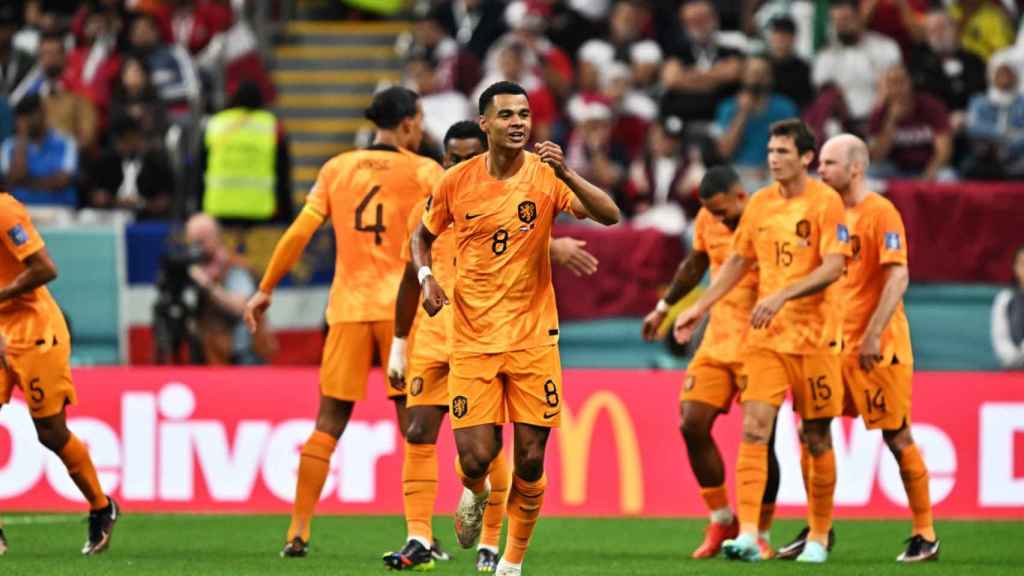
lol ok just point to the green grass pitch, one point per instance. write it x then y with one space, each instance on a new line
244 545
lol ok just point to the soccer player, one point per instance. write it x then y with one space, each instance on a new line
504 354
794 231
35 356
368 196
711 378
428 368
878 362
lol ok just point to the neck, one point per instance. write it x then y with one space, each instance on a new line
504 162
794 186
855 193
387 138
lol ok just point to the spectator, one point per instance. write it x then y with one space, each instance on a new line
171 70
592 57
901 20
475 24
985 26
665 177
130 176
854 63
910 135
441 107
527 24
942 68
593 152
646 58
995 125
39 163
34 22
15 63
791 73
742 122
134 95
457 67
701 71
195 22
512 66
625 27
246 164
224 285
94 63
1008 319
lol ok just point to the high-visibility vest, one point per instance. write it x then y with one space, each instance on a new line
242 146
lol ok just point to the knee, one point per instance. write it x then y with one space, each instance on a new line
757 430
420 432
898 440
54 439
475 462
694 428
333 420
530 462
818 437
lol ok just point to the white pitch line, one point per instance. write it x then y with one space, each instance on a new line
43 519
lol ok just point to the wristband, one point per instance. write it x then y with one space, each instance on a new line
422 274
662 306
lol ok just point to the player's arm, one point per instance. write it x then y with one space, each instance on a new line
590 200
569 253
897 277
405 314
729 275
830 269
39 271
433 295
286 253
688 274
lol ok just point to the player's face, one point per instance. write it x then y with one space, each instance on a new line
507 121
459 149
412 130
834 167
727 207
784 161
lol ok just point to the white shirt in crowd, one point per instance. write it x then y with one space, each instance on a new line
1010 354
857 69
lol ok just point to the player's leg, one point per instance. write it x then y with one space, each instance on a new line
697 419
477 447
344 369
500 478
771 492
3 540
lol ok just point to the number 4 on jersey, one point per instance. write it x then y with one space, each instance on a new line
377 227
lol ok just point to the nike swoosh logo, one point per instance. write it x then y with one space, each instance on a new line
550 415
822 407
873 420
471 216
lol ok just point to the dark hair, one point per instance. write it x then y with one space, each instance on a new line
851 4
718 180
783 23
123 124
53 37
503 87
800 132
464 130
247 95
28 105
392 105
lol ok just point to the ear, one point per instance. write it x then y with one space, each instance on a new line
482 122
808 158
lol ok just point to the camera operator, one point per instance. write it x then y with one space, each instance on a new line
223 285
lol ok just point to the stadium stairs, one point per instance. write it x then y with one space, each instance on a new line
326 73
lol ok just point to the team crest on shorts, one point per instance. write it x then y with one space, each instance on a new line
741 382
416 387
460 406
690 381
803 231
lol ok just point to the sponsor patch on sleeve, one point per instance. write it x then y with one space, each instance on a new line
18 235
892 241
842 233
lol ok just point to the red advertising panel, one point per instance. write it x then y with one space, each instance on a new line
220 440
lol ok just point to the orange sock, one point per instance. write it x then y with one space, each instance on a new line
475 485
751 478
767 516
819 495
75 457
494 515
915 482
716 499
314 463
419 489
805 465
524 502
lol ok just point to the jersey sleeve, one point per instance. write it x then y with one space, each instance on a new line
415 217
437 214
835 236
892 237
318 200
19 236
700 228
564 197
744 241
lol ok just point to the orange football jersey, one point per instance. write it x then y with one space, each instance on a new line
33 315
503 298
877 238
430 335
368 196
789 237
730 316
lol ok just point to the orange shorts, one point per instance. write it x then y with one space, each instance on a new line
348 354
426 381
881 397
711 382
44 375
815 379
524 386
